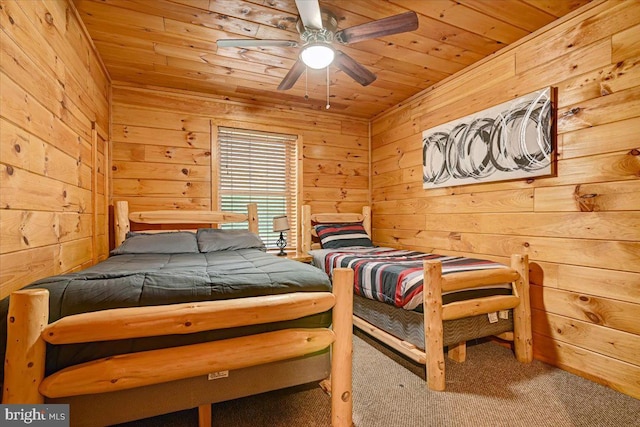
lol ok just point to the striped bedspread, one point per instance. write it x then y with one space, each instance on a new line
396 276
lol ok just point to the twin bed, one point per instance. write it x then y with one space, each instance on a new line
420 303
177 320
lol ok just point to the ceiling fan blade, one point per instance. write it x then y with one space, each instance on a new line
353 69
292 76
310 13
255 43
382 27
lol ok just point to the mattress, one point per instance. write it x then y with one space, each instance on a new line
395 276
147 279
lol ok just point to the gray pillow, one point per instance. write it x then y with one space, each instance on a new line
178 242
213 239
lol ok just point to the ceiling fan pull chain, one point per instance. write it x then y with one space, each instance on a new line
306 82
328 105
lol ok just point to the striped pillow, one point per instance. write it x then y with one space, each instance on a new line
334 236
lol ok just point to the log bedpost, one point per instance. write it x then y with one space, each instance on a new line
121 221
458 352
341 367
252 217
204 415
366 219
433 333
523 340
306 228
25 357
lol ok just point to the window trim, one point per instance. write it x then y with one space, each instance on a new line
215 161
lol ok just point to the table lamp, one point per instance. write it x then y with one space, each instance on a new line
281 224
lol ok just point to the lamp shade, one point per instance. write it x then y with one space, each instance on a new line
280 223
317 55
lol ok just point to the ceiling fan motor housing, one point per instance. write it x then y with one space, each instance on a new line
312 36
323 35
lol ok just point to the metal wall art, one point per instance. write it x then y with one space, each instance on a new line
513 140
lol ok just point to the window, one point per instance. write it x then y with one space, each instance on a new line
259 167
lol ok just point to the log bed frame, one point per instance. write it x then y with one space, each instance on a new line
435 313
29 331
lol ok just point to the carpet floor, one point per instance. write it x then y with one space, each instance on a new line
490 389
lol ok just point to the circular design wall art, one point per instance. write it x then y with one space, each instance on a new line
513 140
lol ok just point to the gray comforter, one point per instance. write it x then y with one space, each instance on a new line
154 279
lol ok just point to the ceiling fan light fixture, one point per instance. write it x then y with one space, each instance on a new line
317 55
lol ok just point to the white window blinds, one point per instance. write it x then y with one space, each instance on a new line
259 167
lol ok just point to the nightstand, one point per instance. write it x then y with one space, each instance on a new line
300 256
296 256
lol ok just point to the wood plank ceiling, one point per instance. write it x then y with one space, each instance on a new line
172 43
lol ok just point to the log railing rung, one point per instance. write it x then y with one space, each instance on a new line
185 217
169 364
472 279
186 318
484 305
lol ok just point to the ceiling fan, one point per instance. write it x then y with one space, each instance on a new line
318 30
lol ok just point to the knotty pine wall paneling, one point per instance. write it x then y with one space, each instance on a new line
54 125
163 148
581 229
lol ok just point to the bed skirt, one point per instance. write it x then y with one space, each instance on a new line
409 325
144 402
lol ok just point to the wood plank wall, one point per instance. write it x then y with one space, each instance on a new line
580 229
163 149
54 121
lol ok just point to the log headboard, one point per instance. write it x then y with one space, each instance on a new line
123 218
308 221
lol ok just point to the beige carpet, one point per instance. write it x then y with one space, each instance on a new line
490 389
